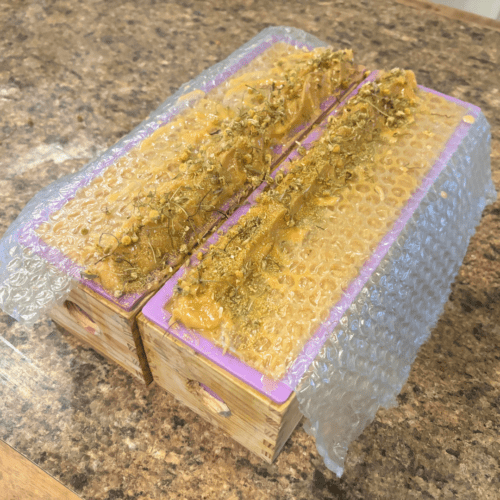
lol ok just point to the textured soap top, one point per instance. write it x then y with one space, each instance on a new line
272 279
148 209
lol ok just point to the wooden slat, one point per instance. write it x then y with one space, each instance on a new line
241 428
242 415
451 13
21 479
245 407
103 340
118 323
170 351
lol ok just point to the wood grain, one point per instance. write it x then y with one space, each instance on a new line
451 13
106 328
246 415
21 479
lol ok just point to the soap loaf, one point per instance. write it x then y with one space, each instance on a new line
123 225
328 255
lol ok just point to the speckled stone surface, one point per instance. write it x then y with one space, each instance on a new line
77 75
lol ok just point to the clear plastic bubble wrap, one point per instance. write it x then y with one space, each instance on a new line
381 320
367 358
33 275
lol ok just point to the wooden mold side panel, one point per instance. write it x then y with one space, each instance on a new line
256 422
291 419
241 429
118 355
98 322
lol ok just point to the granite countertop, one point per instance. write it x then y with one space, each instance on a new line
75 77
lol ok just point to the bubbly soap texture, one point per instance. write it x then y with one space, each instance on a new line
149 208
307 258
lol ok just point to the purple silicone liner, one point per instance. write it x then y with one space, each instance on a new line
212 393
27 235
280 391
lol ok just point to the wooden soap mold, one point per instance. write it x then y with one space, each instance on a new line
172 361
243 413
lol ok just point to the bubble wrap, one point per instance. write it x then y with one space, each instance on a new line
33 276
367 358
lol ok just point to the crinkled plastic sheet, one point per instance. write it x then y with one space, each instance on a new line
367 358
33 277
